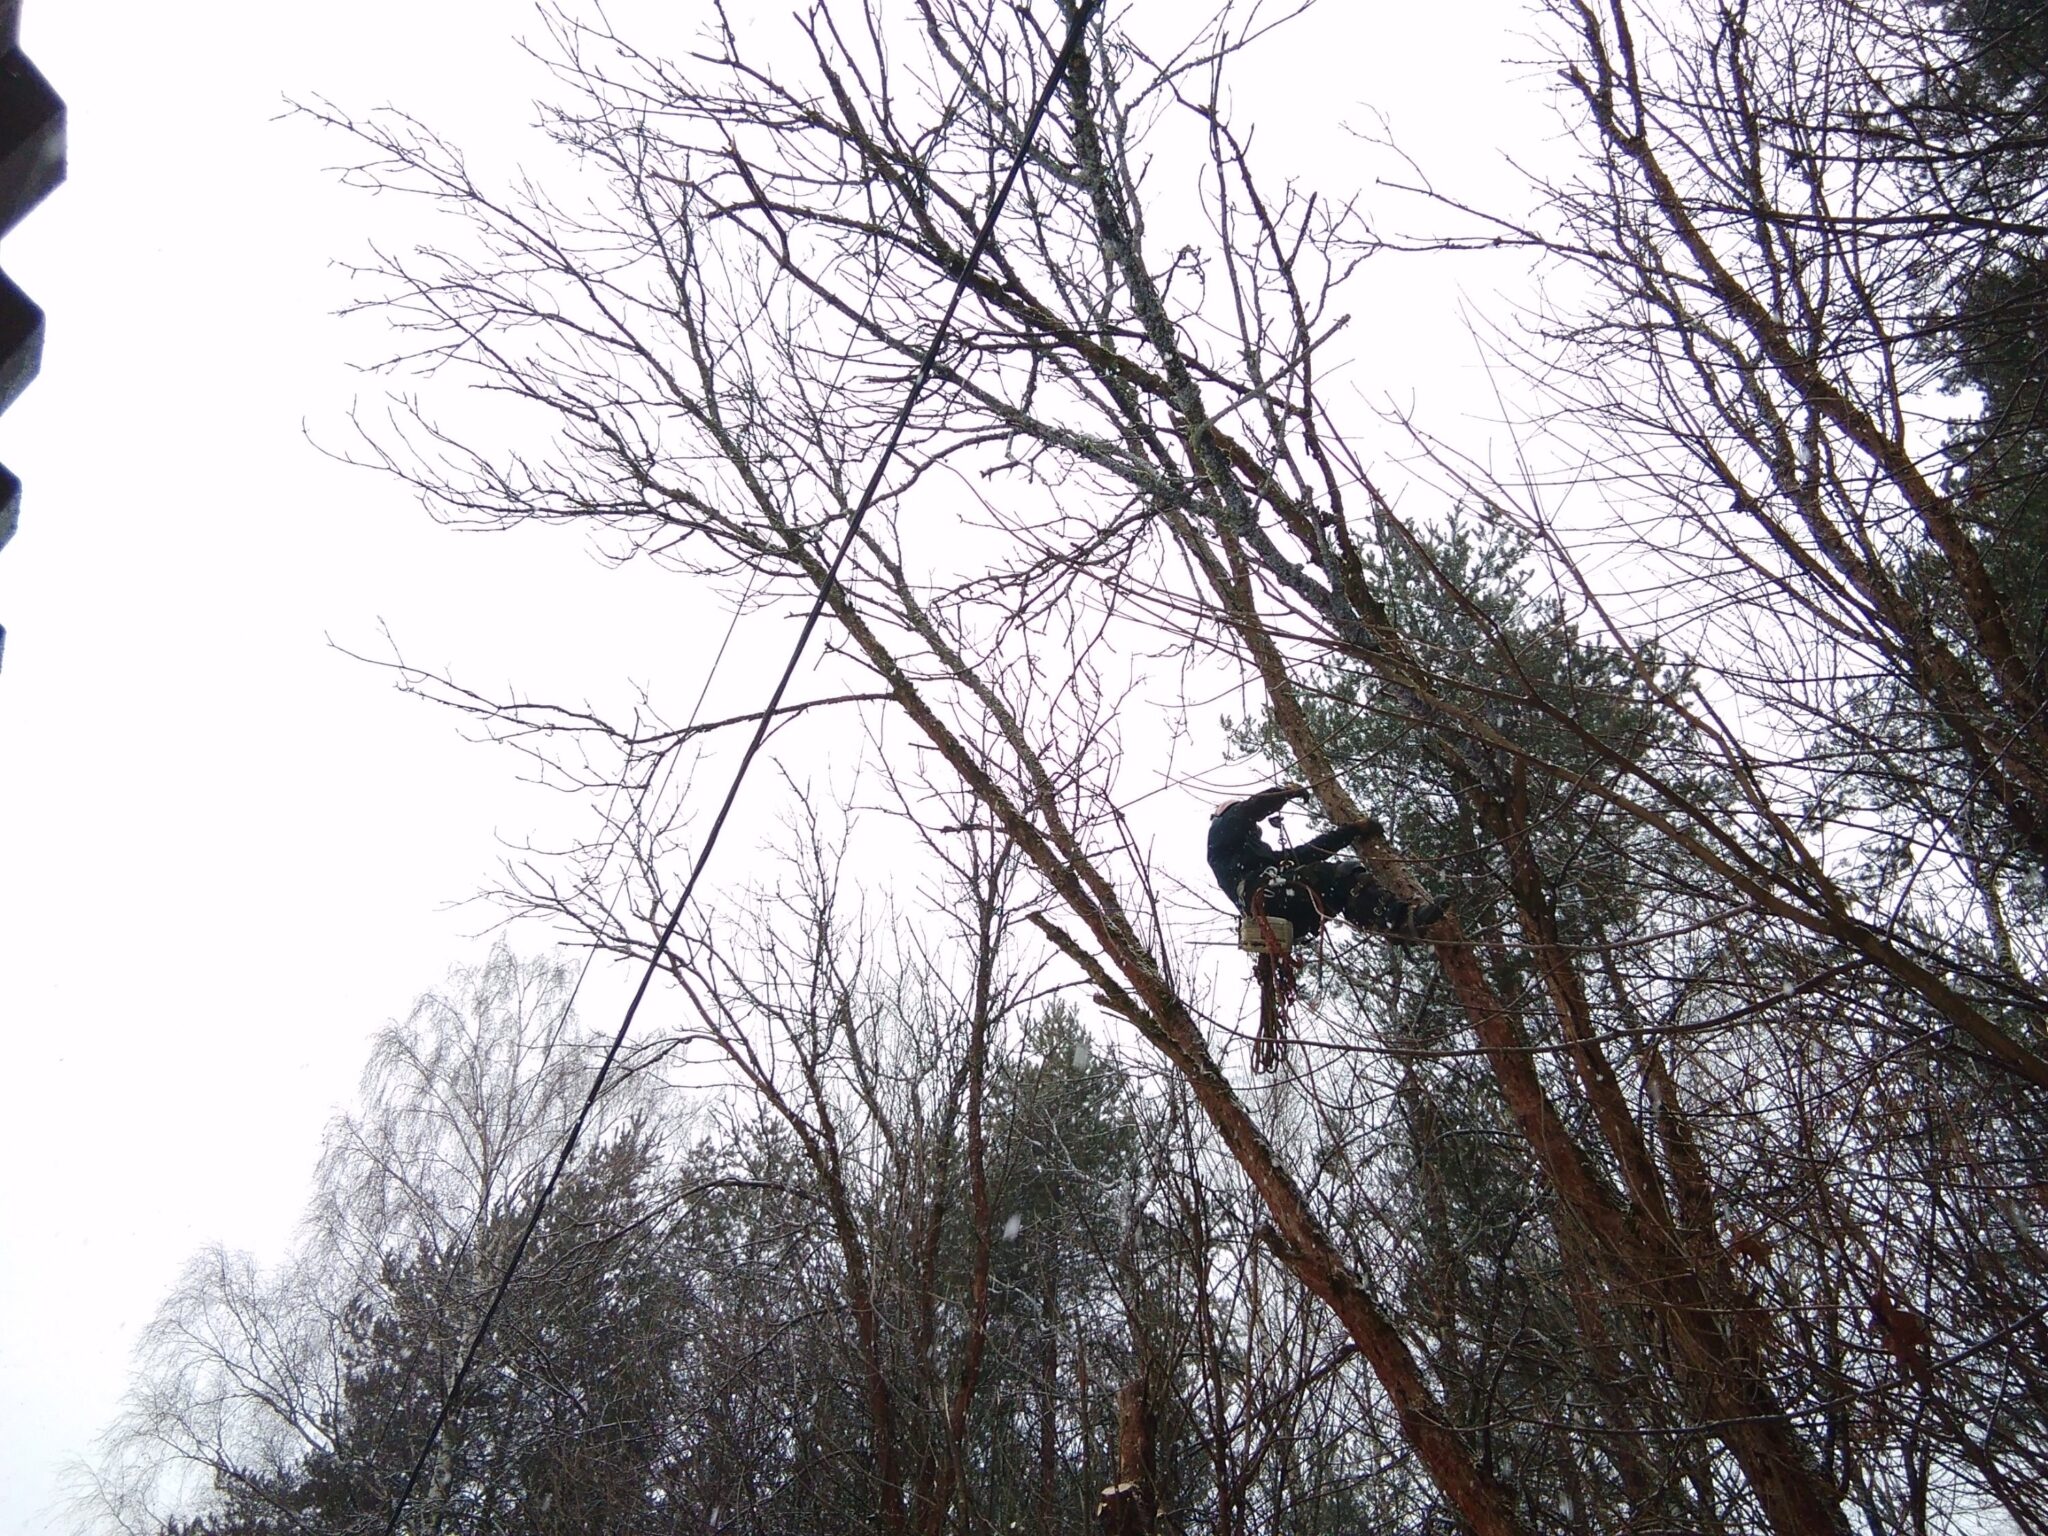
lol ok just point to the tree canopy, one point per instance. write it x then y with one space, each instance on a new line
1686 1179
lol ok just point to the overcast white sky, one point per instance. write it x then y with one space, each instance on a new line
227 853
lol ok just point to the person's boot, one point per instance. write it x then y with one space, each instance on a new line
1421 915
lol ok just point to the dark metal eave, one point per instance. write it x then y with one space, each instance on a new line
31 163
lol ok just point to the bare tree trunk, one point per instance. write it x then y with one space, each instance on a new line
1130 1505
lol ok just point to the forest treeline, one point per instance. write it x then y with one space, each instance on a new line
1689 1179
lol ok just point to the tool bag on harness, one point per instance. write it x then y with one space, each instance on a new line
1261 935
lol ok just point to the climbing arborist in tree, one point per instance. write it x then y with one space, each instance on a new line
1305 886
1285 895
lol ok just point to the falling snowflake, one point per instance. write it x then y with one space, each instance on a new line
1012 1227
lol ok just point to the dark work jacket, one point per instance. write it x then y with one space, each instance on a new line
1243 861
